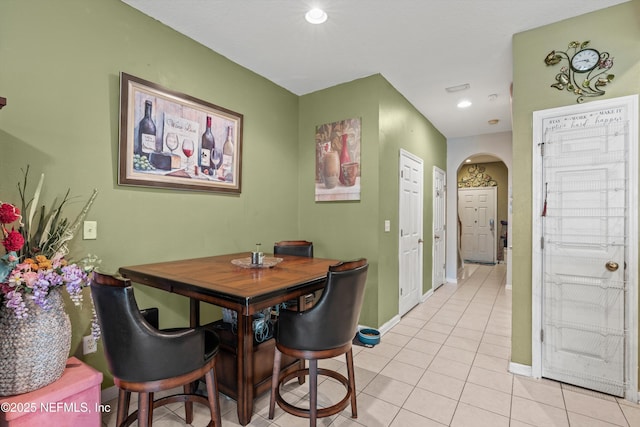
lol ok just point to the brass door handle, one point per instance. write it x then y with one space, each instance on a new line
612 266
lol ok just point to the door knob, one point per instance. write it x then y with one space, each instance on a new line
420 241
435 236
611 266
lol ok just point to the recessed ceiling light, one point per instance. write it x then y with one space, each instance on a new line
316 16
464 103
493 97
493 121
468 161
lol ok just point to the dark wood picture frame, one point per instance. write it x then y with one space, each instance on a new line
165 139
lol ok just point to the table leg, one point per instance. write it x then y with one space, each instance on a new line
245 369
194 313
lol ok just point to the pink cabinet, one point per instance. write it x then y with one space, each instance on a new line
73 400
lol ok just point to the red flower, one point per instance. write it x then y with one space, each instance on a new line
8 213
13 242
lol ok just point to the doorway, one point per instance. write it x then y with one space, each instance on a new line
478 230
439 227
584 263
410 225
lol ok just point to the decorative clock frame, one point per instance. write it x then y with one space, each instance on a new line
586 79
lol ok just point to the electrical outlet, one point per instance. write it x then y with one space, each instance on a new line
89 345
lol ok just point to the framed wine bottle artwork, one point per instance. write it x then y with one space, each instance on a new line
172 140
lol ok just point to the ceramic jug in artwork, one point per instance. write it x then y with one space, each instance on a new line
331 169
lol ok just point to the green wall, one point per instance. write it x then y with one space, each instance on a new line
356 228
60 74
403 127
616 30
60 70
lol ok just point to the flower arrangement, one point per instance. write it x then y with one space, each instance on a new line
34 263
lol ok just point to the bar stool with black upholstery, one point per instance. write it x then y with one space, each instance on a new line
294 247
298 248
324 331
146 360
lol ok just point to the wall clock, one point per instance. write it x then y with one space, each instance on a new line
586 71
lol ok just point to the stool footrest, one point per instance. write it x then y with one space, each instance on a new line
322 412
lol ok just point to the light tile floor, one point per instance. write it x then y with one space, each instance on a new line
444 364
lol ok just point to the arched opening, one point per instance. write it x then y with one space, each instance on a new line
483 209
489 148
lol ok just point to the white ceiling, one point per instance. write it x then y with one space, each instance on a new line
420 46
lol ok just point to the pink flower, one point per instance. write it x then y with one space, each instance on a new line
8 213
13 241
30 278
22 267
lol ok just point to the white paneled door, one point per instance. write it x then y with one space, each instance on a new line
439 227
411 210
477 213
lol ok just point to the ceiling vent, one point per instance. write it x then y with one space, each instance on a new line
453 89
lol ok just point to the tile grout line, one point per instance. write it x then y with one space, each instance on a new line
461 285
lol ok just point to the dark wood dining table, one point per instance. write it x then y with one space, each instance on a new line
246 290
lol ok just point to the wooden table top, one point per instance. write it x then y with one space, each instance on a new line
215 279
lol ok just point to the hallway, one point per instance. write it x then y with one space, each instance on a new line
444 364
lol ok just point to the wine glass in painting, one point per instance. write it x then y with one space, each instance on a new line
216 161
187 149
171 141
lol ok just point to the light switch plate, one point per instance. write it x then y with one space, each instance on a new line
387 225
89 345
90 230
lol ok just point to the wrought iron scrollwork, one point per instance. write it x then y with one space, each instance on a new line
588 84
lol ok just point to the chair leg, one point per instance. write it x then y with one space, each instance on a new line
352 383
313 392
301 367
143 410
212 396
150 416
275 381
188 406
124 397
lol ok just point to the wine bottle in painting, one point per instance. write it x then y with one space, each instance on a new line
206 149
147 141
227 154
344 157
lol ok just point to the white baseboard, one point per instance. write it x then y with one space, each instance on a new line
426 295
519 369
508 286
453 280
387 326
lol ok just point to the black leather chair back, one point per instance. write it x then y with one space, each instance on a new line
294 247
333 320
136 351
